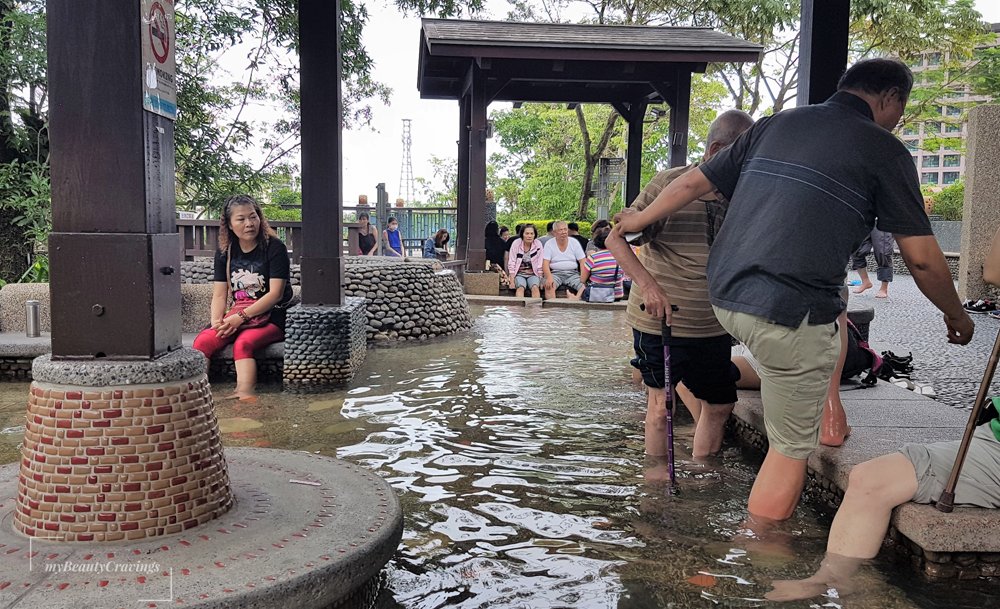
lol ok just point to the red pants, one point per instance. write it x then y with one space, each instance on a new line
245 341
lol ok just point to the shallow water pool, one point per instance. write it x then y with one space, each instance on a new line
516 450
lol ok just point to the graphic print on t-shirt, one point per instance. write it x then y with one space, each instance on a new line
247 285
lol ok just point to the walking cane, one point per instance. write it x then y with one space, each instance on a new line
668 390
946 503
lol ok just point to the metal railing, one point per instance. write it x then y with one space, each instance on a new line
199 238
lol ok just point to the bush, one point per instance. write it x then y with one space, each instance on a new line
541 224
948 203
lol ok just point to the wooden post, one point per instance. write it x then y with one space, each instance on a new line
633 161
680 110
823 48
476 254
322 181
462 186
114 249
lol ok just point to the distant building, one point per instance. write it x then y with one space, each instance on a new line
944 166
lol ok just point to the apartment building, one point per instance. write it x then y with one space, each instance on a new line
946 164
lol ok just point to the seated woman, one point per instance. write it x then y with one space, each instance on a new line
524 263
393 240
600 269
438 242
367 242
252 268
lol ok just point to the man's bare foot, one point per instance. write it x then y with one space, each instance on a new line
884 293
864 286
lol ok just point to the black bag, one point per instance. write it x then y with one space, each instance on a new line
860 357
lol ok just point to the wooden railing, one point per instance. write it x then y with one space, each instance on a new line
200 238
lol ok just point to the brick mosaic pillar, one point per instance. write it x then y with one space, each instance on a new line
981 211
324 346
120 450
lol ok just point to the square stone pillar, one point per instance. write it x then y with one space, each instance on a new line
324 346
981 211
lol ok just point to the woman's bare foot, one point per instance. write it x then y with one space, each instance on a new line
796 589
245 397
864 286
883 293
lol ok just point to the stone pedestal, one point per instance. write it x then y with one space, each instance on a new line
981 211
120 450
482 283
324 346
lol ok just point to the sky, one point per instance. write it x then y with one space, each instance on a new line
374 154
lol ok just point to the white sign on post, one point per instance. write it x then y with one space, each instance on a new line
159 70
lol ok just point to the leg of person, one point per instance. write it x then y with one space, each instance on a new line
874 489
550 290
534 283
859 263
520 283
209 343
574 287
882 247
834 428
693 404
247 343
649 360
709 373
795 365
748 374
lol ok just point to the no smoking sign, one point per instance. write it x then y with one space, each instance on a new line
159 69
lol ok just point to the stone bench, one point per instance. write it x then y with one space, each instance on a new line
17 351
962 544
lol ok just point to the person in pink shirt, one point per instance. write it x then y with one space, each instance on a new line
524 264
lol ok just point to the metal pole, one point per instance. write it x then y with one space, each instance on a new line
32 324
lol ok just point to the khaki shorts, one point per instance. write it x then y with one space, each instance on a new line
795 366
979 482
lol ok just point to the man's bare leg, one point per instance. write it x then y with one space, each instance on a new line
883 291
834 428
656 423
711 429
874 488
866 282
693 404
778 486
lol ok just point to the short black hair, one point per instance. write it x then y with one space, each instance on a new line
548 227
601 237
503 228
598 225
573 226
363 215
877 76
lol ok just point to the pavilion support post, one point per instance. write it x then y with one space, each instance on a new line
462 185
823 48
324 338
680 110
322 181
476 254
114 248
633 159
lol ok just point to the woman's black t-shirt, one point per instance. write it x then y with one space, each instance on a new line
250 273
366 242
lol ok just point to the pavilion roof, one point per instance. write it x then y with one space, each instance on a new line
567 62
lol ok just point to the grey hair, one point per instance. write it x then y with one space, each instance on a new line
728 126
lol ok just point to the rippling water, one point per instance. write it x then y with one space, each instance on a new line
516 451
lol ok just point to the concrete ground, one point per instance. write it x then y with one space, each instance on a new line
907 322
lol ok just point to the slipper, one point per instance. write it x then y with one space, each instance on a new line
904 383
927 390
994 314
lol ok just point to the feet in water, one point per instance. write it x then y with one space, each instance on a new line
836 572
867 285
244 397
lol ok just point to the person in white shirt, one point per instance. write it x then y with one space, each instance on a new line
561 263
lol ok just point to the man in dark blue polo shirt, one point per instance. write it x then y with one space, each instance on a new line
805 186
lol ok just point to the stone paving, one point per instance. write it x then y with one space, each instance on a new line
908 322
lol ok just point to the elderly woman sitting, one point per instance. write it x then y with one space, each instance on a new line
601 270
524 263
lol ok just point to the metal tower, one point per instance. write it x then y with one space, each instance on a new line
406 184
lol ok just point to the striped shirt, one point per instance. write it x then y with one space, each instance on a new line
604 271
675 252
